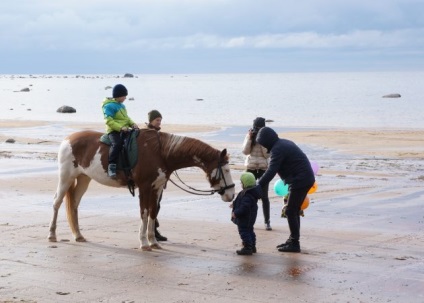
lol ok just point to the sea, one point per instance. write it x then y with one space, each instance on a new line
286 100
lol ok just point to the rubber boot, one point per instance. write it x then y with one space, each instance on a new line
289 240
245 251
293 246
159 237
268 226
111 170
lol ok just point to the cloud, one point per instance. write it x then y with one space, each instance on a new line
249 26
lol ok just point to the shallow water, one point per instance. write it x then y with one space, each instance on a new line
290 99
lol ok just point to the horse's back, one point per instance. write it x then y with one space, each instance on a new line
83 146
84 137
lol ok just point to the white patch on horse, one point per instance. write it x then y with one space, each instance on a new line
96 171
65 152
66 160
174 143
160 181
198 161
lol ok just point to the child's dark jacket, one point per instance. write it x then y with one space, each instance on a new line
245 206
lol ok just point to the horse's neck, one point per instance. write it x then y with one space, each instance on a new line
181 152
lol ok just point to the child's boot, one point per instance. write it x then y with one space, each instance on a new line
111 170
245 251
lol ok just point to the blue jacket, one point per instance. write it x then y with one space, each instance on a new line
287 159
115 115
245 206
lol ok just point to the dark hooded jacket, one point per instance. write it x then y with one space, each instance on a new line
287 159
245 206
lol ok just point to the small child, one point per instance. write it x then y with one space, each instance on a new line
117 121
245 209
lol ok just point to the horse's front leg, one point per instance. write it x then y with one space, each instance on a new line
151 234
148 210
144 243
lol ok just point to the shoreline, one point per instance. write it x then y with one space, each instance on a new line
395 143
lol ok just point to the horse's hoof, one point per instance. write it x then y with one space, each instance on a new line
156 245
80 239
52 239
146 248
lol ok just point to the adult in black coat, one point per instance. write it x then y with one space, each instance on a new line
292 165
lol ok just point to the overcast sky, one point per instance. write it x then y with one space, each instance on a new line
210 36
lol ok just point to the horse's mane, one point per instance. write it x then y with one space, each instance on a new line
185 146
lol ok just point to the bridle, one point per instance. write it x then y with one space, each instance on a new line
200 192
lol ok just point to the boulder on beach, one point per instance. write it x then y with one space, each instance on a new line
127 75
10 140
66 109
392 96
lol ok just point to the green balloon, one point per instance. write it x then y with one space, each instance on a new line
280 188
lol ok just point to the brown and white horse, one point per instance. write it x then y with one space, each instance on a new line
82 157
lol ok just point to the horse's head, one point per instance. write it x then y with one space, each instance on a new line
220 178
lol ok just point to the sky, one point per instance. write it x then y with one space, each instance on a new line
210 36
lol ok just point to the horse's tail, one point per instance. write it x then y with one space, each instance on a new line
70 208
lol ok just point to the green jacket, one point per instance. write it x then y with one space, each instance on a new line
115 115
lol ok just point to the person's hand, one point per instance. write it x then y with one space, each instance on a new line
233 215
124 129
135 126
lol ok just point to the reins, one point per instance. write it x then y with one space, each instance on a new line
195 191
201 192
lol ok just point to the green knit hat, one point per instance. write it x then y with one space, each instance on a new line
153 114
247 179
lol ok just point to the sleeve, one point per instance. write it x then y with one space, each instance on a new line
131 122
272 170
109 110
247 145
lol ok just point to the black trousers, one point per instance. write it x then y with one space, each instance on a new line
117 141
265 200
294 201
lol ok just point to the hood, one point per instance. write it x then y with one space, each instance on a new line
108 100
267 137
255 191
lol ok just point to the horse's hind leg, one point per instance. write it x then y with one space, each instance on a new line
62 188
81 187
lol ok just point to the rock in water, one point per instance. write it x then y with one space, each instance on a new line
66 109
392 96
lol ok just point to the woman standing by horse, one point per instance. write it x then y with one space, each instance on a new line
257 163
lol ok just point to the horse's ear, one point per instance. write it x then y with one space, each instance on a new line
223 153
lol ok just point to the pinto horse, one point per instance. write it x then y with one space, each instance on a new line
82 157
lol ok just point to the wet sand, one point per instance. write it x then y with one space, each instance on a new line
362 237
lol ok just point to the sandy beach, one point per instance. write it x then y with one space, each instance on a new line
362 237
